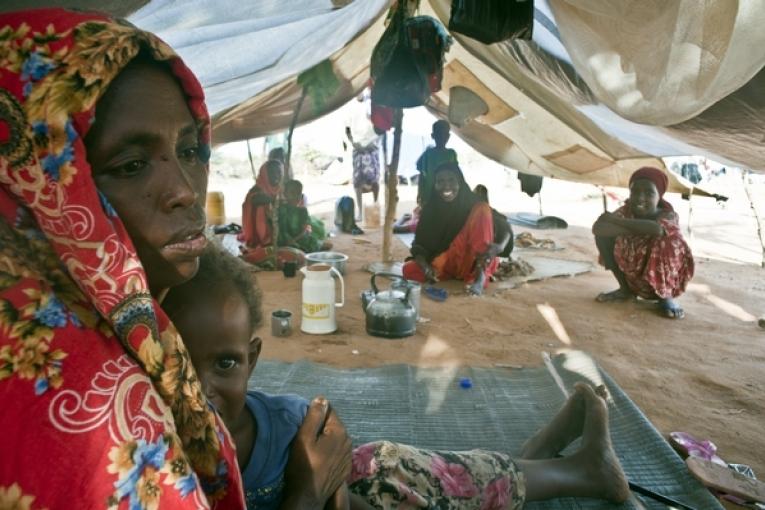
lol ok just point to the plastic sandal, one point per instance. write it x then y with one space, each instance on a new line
436 293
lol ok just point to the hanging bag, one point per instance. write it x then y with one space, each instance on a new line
491 21
407 62
397 80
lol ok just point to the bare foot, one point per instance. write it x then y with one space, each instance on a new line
562 430
615 296
602 475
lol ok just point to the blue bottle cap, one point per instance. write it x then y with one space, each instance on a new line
466 383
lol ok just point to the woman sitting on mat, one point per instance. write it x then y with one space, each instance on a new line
223 302
455 235
257 212
296 227
641 244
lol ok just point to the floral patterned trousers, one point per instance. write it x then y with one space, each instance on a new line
390 475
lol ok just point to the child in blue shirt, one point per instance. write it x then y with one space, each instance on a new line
218 313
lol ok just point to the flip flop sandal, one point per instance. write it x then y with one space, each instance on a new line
670 311
436 293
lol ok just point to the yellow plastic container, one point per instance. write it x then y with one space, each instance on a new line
215 208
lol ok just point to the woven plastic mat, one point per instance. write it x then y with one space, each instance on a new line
427 407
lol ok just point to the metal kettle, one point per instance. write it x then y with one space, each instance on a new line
389 313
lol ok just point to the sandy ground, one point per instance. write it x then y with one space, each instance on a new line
703 375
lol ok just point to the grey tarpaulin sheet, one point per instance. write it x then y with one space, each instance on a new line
426 407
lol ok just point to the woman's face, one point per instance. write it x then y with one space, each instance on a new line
447 185
143 149
644 198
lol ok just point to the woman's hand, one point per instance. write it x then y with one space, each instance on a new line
427 269
320 459
486 257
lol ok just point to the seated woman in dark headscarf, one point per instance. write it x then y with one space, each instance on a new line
455 235
642 245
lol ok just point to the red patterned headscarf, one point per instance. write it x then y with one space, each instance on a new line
100 401
658 178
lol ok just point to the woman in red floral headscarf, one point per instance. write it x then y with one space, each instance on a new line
642 245
104 142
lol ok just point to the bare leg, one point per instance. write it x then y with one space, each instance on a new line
564 428
592 471
358 203
623 293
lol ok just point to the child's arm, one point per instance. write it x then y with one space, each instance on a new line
612 225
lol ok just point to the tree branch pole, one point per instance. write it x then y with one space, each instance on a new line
391 187
295 116
252 163
756 217
287 172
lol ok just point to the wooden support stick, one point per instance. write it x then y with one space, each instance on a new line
295 116
391 188
252 163
756 216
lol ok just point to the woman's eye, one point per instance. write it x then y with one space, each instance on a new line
129 169
190 155
225 364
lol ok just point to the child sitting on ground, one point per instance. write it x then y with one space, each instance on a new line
642 245
296 227
218 313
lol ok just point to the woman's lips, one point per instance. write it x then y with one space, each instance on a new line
192 246
448 195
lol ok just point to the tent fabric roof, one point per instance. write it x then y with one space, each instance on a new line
552 101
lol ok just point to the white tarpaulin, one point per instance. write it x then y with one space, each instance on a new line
662 62
547 112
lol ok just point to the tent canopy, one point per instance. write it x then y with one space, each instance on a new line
604 87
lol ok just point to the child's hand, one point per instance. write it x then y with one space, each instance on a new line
320 458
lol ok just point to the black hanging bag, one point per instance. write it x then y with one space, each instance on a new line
407 62
491 21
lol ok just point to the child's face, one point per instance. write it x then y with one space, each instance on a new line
292 195
644 198
215 327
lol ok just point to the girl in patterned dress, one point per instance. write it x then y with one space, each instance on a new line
219 312
641 244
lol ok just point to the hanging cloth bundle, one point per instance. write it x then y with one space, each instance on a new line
491 21
407 62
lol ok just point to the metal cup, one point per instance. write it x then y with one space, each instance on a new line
289 268
281 323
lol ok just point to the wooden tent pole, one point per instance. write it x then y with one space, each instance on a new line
756 216
391 188
252 163
295 116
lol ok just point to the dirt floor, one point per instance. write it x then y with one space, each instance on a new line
702 375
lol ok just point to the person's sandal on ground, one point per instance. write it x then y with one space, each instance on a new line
670 309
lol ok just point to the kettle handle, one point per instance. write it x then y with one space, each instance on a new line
388 275
342 286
